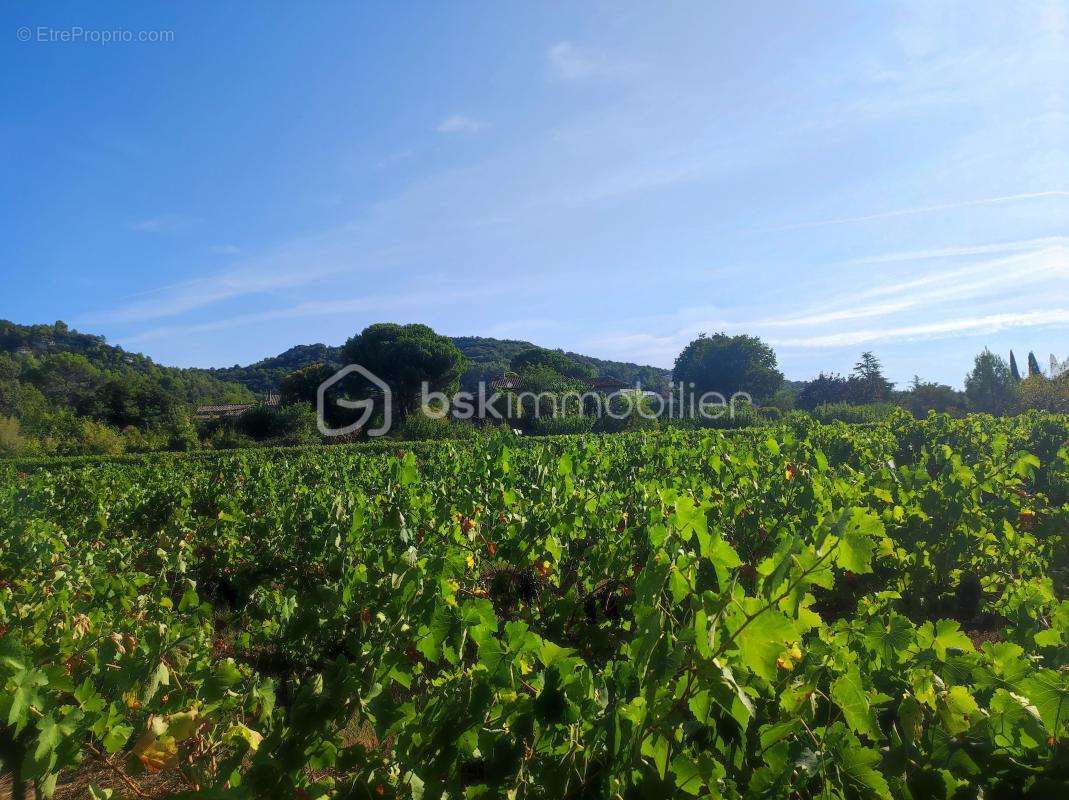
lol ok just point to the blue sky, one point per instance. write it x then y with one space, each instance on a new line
610 178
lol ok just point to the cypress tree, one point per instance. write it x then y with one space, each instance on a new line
1014 372
1033 366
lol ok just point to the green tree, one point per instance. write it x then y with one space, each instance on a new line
728 365
12 442
989 387
554 359
406 357
302 385
1015 373
923 397
66 378
868 384
1039 393
1033 365
825 389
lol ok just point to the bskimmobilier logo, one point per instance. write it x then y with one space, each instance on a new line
366 406
681 401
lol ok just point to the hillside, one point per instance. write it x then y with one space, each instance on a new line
489 358
32 349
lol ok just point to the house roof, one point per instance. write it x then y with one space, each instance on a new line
505 382
234 409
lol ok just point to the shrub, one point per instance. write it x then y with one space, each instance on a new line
12 442
562 425
845 412
98 439
418 426
292 424
626 411
742 416
1038 393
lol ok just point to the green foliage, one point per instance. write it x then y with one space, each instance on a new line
924 397
855 414
555 360
728 364
1039 393
990 386
794 610
868 384
72 393
288 424
422 427
267 375
302 385
11 440
561 425
628 410
1033 366
406 357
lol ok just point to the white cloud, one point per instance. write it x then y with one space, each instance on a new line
571 62
459 123
903 212
980 280
991 323
953 252
322 308
164 223
169 301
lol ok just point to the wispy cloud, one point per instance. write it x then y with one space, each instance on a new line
322 308
459 123
905 212
990 323
568 61
961 250
977 280
164 223
225 249
175 299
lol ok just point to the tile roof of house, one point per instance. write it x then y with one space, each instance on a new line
234 409
505 382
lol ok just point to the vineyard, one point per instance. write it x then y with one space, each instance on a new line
799 611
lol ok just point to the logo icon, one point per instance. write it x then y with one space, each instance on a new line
367 406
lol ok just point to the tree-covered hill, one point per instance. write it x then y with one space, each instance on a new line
487 357
37 352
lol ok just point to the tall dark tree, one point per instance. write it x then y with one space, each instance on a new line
1014 372
406 357
868 384
990 387
728 364
1033 366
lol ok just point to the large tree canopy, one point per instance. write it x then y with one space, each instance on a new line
990 386
729 364
302 385
825 389
554 359
406 356
869 383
